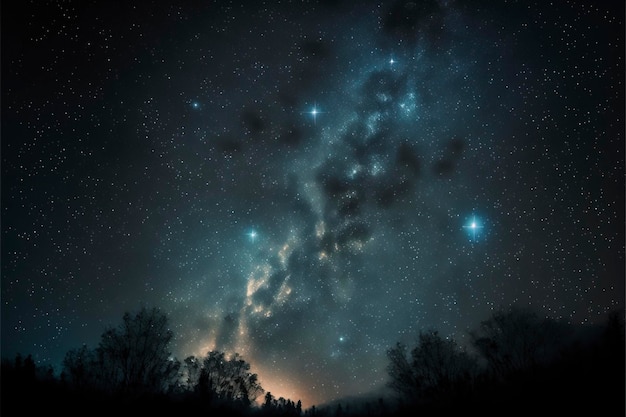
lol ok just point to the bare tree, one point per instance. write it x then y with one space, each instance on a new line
517 339
134 358
78 368
403 379
441 366
437 367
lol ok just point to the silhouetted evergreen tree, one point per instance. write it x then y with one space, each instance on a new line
269 401
280 407
26 386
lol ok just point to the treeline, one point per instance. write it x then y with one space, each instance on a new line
132 369
516 363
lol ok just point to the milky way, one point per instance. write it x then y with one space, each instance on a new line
309 183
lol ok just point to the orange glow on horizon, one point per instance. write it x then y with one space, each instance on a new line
281 386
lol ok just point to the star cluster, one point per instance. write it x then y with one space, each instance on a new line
308 185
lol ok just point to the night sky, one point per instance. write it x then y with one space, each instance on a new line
308 183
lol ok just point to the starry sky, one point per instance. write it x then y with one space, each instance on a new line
308 182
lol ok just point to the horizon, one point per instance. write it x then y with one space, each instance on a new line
382 392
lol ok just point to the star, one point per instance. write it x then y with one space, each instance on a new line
314 112
195 105
392 62
252 235
473 227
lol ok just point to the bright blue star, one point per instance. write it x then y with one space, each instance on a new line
473 227
252 235
314 112
195 105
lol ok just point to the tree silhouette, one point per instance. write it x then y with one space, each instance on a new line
517 339
217 377
441 365
190 373
533 363
280 407
403 380
437 368
134 358
79 367
269 400
21 371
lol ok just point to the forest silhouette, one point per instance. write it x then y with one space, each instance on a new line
517 363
